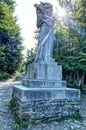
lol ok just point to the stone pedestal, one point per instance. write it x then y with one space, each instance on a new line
44 75
44 71
43 94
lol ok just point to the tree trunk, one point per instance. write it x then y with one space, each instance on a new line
83 78
78 80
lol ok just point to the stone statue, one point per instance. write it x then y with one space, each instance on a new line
45 23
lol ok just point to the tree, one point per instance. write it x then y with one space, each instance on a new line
70 47
30 55
10 38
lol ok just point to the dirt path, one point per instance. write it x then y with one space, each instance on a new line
6 117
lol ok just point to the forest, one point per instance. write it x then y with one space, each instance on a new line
10 40
70 46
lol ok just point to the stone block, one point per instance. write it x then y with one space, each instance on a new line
33 83
45 71
37 94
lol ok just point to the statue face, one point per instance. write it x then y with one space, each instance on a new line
49 12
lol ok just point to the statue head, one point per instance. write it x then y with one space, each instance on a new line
44 10
48 8
46 5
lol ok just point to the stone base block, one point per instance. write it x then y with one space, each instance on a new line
48 109
36 94
32 83
44 71
44 103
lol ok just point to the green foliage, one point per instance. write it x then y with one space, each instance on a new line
70 46
22 121
30 55
78 116
4 75
10 38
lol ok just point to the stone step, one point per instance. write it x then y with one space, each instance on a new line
32 83
36 94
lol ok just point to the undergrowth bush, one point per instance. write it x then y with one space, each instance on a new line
4 75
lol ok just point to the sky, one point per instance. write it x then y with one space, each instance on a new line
26 15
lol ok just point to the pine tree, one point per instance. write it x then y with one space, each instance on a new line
10 38
70 47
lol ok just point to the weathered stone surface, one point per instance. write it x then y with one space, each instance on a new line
36 94
45 23
48 108
45 103
33 83
44 71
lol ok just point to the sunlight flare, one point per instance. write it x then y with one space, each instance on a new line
61 12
